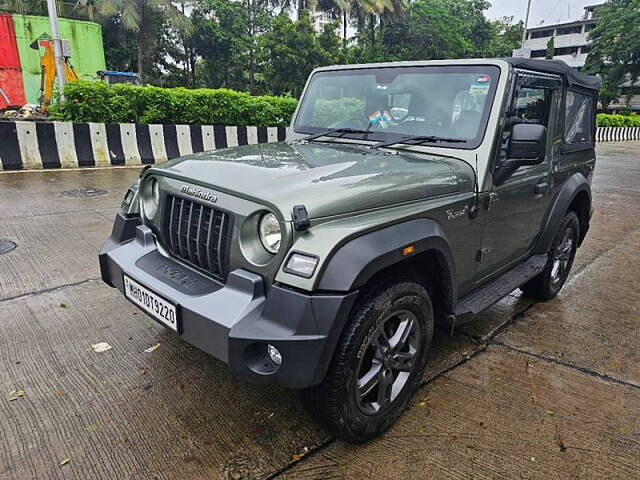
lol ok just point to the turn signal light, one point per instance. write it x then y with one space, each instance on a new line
408 250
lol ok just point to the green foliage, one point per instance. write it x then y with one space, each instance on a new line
505 37
607 120
330 112
551 48
439 29
245 46
124 103
615 47
291 50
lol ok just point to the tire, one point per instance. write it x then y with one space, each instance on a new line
388 372
550 281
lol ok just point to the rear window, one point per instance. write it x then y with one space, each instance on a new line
578 124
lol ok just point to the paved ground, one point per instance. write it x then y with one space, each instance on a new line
528 391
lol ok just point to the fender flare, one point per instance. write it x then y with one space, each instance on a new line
576 184
354 263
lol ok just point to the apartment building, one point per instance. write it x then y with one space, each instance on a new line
570 39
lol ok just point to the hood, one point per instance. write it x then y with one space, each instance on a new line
328 179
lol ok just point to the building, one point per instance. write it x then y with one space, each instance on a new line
21 51
570 39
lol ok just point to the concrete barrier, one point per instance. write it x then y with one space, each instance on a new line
38 145
617 134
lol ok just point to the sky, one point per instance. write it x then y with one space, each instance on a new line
547 11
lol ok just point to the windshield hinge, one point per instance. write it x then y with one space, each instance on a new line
300 218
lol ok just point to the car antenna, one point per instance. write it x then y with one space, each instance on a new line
473 211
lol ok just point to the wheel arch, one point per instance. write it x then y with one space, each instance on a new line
374 255
575 195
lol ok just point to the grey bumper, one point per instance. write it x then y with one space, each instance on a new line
233 322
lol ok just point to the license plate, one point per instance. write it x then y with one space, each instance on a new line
156 306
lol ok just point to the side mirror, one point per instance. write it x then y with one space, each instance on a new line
527 145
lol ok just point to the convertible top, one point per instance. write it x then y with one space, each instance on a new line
558 67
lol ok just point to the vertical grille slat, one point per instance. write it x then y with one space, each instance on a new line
189 237
180 215
221 238
209 235
172 244
198 234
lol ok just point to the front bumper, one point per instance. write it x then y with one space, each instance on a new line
233 322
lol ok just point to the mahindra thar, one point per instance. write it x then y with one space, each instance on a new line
405 194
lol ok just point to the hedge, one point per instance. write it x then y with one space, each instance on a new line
124 103
608 120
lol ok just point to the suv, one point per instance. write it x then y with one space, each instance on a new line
405 194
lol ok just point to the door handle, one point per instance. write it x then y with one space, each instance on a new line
541 188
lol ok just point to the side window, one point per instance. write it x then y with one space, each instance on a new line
578 120
532 100
532 105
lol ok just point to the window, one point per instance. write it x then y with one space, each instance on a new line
542 33
447 101
538 53
578 123
569 30
532 105
566 51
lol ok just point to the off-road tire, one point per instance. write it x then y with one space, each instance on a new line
335 403
548 283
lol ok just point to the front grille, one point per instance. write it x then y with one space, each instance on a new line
198 234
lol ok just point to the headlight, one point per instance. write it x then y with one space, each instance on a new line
151 197
270 234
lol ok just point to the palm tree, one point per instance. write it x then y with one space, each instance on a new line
134 15
337 8
378 9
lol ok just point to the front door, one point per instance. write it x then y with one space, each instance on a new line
517 206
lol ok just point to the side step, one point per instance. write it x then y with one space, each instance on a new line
498 288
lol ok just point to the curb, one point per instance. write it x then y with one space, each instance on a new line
51 145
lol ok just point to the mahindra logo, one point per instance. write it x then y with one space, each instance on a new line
197 193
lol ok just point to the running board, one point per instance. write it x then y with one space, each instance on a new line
497 289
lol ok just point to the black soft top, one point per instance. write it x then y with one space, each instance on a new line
558 67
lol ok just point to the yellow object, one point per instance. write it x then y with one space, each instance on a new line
408 250
48 67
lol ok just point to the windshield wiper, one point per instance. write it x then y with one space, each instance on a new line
339 132
419 140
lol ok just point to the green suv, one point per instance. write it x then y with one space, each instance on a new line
405 195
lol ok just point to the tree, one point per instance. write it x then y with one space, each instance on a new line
551 48
504 38
226 38
615 48
433 29
291 50
137 16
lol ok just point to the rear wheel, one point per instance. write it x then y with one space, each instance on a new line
550 281
377 365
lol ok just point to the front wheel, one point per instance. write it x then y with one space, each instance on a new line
550 281
378 363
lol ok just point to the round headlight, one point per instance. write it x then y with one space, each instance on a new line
270 234
151 197
155 192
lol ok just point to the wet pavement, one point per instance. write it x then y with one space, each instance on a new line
527 391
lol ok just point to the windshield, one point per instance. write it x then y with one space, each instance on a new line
394 102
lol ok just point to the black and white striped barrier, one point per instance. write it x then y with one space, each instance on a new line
38 145
617 134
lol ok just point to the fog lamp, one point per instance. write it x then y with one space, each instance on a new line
274 354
